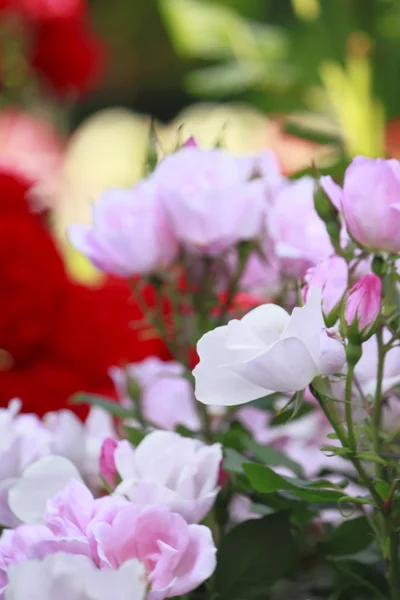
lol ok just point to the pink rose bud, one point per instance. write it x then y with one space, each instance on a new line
331 276
108 469
370 203
223 476
363 306
191 143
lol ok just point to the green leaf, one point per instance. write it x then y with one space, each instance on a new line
134 435
336 450
254 556
113 408
350 537
270 456
265 480
284 416
233 461
382 487
371 456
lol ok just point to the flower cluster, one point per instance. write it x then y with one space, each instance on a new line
289 290
143 539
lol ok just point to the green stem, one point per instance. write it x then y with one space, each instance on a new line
342 436
349 409
377 408
394 567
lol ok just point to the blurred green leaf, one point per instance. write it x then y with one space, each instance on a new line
271 456
134 435
253 556
350 537
211 31
265 480
113 408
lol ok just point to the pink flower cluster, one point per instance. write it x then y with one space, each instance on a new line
109 532
207 202
167 485
166 396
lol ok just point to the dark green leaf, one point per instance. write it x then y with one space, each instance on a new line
135 436
350 537
113 408
287 415
253 556
265 480
233 461
271 456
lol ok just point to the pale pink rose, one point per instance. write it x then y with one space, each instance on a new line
75 578
23 440
331 276
110 531
370 203
267 351
262 274
179 557
166 398
211 202
300 237
130 235
172 470
363 303
80 442
30 146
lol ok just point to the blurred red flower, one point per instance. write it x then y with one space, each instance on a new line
68 56
50 10
57 337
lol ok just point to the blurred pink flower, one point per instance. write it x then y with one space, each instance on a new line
331 276
210 198
300 236
169 469
76 578
166 398
26 438
31 147
130 235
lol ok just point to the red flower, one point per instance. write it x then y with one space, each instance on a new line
56 337
50 10
28 301
68 56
